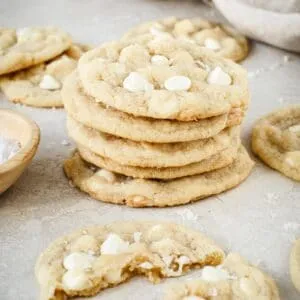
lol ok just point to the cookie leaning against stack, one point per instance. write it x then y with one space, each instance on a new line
156 123
34 63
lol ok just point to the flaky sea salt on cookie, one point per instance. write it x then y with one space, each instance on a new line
276 140
163 79
222 40
235 279
142 193
92 259
29 46
41 85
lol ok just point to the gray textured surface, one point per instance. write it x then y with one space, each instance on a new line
259 219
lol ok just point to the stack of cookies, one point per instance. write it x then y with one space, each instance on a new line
34 63
156 122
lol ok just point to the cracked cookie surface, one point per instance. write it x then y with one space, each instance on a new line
235 279
107 186
276 140
41 85
163 79
29 46
92 259
224 40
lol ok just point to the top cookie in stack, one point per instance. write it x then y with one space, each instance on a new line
34 63
156 122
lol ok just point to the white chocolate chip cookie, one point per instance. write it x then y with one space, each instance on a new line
142 193
295 264
143 154
85 110
26 47
195 84
216 161
222 39
92 259
41 85
235 279
276 140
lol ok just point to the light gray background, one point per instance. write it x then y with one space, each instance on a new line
259 219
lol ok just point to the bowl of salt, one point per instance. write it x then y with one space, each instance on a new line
19 140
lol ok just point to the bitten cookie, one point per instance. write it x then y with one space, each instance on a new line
29 46
87 111
223 40
107 186
41 85
235 279
92 259
276 140
143 154
163 79
295 264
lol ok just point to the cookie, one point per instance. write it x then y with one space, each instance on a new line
92 259
295 264
216 161
276 140
225 41
110 187
85 110
163 79
145 154
41 85
235 279
23 48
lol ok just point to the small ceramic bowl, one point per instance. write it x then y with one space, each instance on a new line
16 126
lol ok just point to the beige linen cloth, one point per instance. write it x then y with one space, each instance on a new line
276 22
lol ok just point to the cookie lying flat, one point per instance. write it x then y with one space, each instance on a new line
276 140
163 79
295 264
85 110
223 40
235 279
26 47
217 161
111 187
95 258
41 85
145 154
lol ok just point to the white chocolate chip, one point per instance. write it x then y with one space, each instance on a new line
48 82
212 44
159 60
165 108
182 260
78 260
168 259
214 274
137 237
193 298
75 280
178 83
249 287
25 34
293 158
295 128
106 175
146 265
219 77
159 33
134 82
114 245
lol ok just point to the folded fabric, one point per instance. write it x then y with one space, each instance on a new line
276 22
